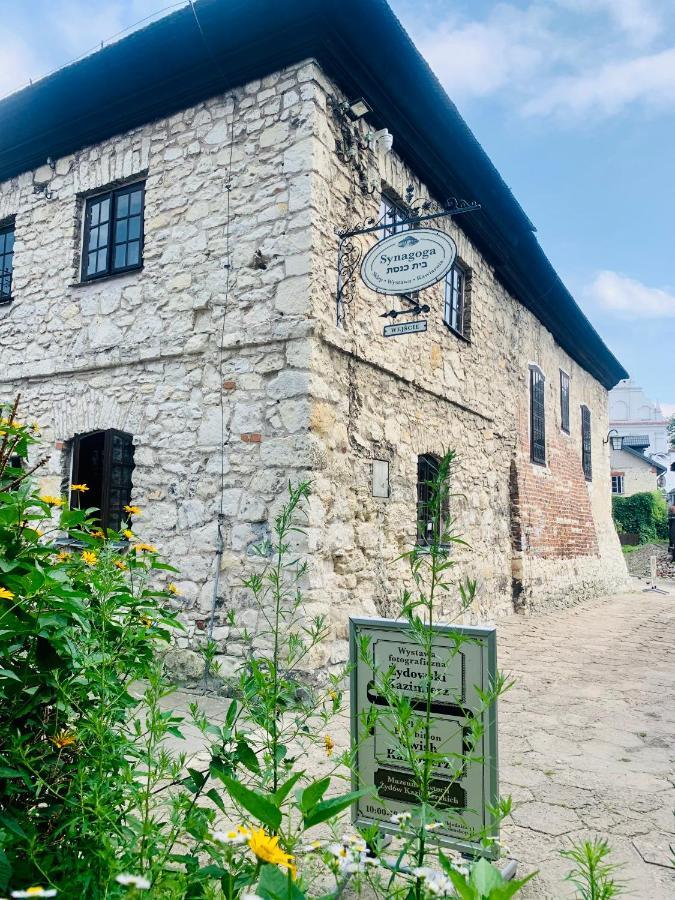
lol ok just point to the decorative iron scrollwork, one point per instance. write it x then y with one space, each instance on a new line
420 212
349 258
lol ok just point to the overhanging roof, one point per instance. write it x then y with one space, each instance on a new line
170 65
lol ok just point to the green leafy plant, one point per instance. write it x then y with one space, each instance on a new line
644 514
592 875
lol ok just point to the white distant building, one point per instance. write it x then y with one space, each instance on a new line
632 413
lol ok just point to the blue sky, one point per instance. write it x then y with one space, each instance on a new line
574 100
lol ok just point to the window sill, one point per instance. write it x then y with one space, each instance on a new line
6 301
120 546
457 334
113 275
565 431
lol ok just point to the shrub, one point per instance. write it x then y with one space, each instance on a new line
643 514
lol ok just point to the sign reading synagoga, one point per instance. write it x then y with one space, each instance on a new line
463 666
408 261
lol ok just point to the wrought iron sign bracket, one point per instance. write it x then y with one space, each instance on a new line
350 253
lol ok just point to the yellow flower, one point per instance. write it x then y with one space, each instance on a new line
146 620
89 558
128 533
333 695
99 533
145 548
63 739
120 565
329 745
51 501
173 589
133 510
79 487
63 555
266 848
36 427
5 594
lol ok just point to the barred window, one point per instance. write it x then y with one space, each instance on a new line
6 262
537 417
113 232
391 216
617 484
104 461
586 443
454 310
564 401
427 472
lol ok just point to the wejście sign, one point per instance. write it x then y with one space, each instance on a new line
464 662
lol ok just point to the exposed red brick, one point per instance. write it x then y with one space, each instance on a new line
59 445
229 385
251 438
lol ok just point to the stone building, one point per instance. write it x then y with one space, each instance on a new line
169 207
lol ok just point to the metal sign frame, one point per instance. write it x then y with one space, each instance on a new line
486 637
350 252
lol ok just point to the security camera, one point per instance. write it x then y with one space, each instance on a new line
381 139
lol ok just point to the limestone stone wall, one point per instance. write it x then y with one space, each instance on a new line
140 352
539 535
292 394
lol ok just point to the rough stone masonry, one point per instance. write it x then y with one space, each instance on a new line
301 397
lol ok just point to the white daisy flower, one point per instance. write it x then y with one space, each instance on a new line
35 892
250 897
312 847
433 826
136 881
238 835
400 818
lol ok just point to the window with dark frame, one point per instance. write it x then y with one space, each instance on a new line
537 417
113 232
617 484
427 471
565 401
391 216
454 308
586 443
104 461
6 261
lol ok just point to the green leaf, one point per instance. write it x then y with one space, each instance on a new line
329 808
485 877
247 756
274 885
461 885
6 673
5 870
258 805
509 888
287 787
216 798
231 714
313 793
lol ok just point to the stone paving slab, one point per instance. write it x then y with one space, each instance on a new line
587 739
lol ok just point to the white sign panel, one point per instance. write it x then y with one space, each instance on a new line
408 261
464 662
405 328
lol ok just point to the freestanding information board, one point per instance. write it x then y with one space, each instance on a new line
464 662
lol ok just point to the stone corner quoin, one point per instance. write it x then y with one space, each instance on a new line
301 397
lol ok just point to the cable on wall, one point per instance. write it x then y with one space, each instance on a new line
220 539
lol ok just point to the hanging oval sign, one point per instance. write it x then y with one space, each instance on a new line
408 261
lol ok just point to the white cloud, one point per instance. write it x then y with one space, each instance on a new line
19 64
648 80
563 58
630 299
638 19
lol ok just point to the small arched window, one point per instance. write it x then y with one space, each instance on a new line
586 443
104 461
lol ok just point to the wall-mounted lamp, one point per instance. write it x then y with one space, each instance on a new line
358 109
616 439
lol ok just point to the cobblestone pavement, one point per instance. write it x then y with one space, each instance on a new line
586 738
